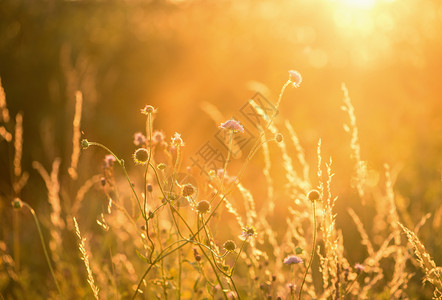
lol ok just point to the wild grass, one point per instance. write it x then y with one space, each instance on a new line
156 235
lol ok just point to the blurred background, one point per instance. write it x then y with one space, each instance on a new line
180 55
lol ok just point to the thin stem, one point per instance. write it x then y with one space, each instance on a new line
229 153
121 163
44 246
179 274
237 257
313 248
16 238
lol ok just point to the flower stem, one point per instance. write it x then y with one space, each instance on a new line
313 248
44 246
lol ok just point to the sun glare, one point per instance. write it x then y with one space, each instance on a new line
360 4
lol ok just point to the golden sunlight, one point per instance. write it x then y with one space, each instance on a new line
360 4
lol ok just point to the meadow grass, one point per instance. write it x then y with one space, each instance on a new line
161 238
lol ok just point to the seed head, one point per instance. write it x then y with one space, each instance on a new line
188 190
314 195
84 144
161 166
17 203
141 156
196 254
148 109
233 125
278 137
176 140
149 188
229 245
203 206
295 78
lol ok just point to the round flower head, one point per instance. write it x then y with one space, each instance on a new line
188 190
139 139
148 109
176 140
313 195
295 78
278 137
229 245
233 125
141 156
203 206
292 260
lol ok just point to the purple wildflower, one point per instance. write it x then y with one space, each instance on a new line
232 124
139 139
109 161
292 259
359 268
247 232
295 78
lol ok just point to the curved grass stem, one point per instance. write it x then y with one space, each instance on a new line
40 233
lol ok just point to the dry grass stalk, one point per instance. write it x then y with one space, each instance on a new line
5 134
53 186
360 227
4 112
432 272
249 204
87 185
18 144
330 260
76 135
85 258
267 166
361 166
400 277
299 151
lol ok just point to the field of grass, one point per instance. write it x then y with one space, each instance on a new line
167 150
